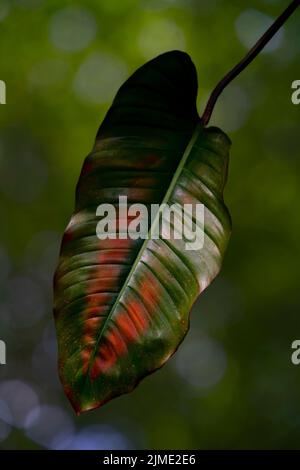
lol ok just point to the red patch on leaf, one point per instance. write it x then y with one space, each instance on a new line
127 327
117 342
151 160
86 168
104 361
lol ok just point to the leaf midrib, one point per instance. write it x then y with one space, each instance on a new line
167 195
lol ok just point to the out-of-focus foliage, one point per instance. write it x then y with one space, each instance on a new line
231 384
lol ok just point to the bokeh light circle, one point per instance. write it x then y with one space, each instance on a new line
72 29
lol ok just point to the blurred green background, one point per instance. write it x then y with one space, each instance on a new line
232 383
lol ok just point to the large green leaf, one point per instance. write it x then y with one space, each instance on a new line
121 305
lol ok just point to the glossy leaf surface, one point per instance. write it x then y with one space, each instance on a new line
121 305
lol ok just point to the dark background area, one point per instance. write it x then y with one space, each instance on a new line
232 383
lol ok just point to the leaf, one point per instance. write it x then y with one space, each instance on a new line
121 305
